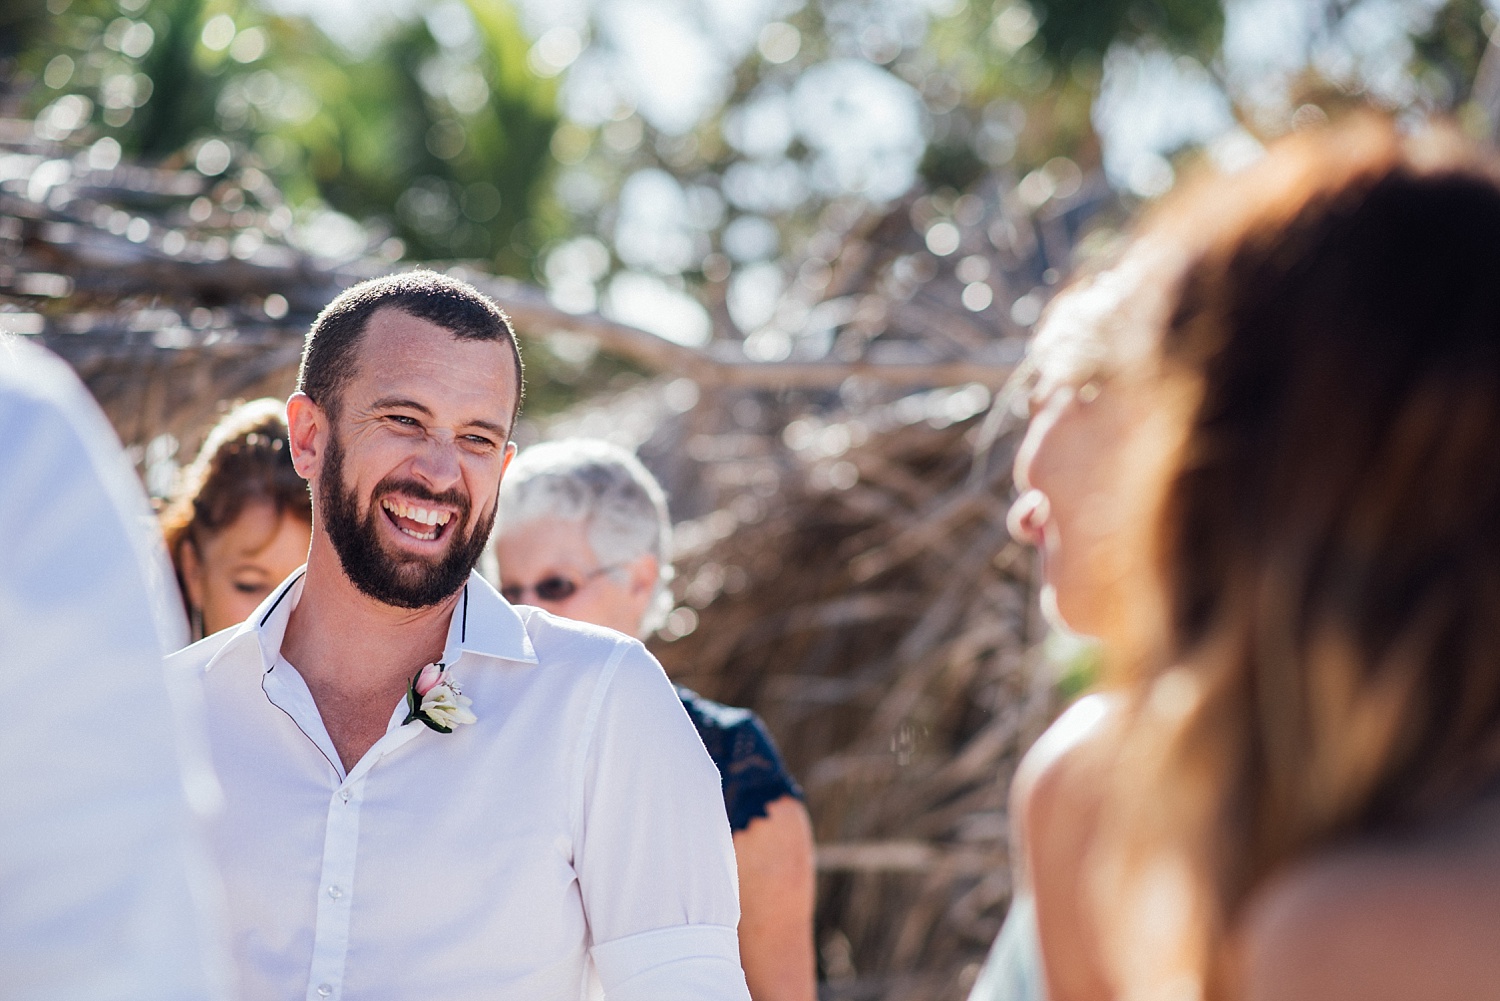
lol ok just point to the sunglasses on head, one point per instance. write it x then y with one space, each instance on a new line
553 588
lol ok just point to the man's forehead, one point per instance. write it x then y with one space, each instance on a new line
400 353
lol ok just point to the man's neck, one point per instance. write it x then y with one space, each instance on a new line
341 639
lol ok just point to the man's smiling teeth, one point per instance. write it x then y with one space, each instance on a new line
420 515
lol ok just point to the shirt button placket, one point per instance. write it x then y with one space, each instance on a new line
331 928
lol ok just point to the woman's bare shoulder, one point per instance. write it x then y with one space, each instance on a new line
1055 801
1410 920
1053 767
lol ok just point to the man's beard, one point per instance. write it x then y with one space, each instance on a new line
399 579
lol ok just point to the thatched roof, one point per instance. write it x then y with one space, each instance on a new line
844 567
170 291
861 593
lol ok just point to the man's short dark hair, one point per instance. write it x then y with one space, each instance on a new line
328 354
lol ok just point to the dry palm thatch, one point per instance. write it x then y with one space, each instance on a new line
859 590
843 556
844 570
172 291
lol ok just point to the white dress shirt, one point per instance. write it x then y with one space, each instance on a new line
105 892
573 838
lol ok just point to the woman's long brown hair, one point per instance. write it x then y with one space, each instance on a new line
1330 543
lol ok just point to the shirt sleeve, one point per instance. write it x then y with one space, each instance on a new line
104 883
654 857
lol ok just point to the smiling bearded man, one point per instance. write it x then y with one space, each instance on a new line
395 578
430 793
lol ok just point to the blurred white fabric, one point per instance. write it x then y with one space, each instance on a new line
105 887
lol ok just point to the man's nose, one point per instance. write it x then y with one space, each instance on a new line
437 465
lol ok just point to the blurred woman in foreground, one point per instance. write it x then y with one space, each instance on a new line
1262 467
1098 445
582 532
241 520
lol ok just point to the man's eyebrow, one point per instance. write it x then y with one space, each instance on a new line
387 402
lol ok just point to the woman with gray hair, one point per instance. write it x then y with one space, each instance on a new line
582 531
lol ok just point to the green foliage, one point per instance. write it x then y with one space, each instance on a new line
182 97
22 22
510 144
1020 107
454 152
1447 54
1070 28
449 149
952 165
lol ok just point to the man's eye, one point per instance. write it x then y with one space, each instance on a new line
244 588
478 439
403 420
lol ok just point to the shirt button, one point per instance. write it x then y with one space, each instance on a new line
344 795
335 892
325 990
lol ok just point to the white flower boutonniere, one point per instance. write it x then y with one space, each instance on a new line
436 700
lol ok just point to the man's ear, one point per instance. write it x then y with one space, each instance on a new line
307 425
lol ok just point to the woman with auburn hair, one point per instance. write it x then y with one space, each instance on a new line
1277 447
241 519
1096 453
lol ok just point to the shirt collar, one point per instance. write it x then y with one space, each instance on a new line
483 623
486 624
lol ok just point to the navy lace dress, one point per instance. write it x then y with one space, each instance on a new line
748 762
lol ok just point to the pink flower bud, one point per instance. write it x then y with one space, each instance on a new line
428 678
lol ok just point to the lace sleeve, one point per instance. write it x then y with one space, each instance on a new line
750 767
